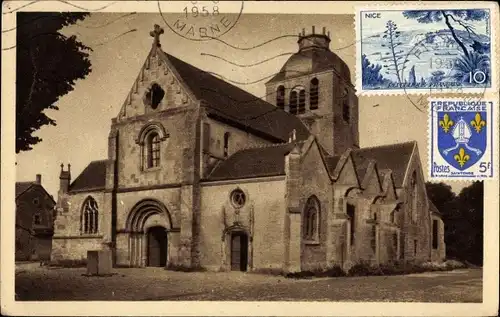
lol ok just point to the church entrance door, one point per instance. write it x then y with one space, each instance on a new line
157 247
239 251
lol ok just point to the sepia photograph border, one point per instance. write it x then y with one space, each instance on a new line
9 306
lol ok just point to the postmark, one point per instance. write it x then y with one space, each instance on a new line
462 138
202 20
413 49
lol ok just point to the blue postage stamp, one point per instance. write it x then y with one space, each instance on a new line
462 138
418 49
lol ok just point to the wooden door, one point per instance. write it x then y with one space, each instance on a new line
157 247
239 252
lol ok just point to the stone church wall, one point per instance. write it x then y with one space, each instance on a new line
181 135
416 234
265 200
439 253
316 181
170 197
212 136
68 241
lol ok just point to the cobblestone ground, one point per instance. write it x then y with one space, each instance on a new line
35 283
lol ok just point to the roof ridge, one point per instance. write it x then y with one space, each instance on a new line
262 146
385 145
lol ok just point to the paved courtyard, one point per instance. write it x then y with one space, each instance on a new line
35 283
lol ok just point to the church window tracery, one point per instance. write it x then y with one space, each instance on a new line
89 218
238 198
311 219
314 94
280 97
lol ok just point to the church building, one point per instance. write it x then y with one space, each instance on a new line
203 174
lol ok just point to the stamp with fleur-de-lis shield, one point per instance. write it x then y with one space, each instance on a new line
462 138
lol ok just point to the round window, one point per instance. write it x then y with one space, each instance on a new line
238 198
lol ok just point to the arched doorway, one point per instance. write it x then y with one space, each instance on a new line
239 251
157 247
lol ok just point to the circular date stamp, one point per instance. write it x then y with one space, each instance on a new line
202 20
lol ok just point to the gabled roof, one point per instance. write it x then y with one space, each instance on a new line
395 157
22 187
253 162
332 162
93 177
236 106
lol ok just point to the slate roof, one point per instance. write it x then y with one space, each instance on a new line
331 162
230 103
395 157
253 162
93 177
21 187
312 61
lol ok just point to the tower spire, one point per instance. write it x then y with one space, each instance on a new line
157 31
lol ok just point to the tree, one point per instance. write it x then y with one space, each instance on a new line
441 195
48 64
459 17
371 72
463 220
469 227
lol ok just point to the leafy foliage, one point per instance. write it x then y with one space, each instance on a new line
452 19
48 64
463 219
371 72
465 65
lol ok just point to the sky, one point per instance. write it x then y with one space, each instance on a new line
120 44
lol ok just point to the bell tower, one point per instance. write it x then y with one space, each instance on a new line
315 85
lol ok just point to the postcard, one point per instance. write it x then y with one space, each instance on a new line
249 158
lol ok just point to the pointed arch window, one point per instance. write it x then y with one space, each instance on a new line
314 94
89 218
280 97
311 222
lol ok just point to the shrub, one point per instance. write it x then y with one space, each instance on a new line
68 263
181 268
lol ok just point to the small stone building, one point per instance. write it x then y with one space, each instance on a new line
34 221
201 173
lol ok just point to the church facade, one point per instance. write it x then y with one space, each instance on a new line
200 173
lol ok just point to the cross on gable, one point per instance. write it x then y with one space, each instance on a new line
156 34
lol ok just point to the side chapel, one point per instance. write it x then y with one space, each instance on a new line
201 173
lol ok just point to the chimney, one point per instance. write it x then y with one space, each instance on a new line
324 30
313 29
64 179
38 179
